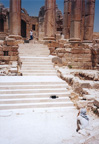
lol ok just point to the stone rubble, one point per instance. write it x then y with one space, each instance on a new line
84 85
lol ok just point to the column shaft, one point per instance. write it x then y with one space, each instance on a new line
67 17
76 15
83 20
50 18
89 19
15 17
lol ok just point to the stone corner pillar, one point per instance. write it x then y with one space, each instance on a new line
15 17
76 15
50 19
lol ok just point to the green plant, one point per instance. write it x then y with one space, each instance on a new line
70 66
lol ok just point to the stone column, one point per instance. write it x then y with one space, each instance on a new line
15 17
50 19
6 27
83 20
89 20
76 14
67 16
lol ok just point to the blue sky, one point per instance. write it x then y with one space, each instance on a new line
33 7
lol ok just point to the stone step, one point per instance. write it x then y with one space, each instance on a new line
37 65
19 82
39 74
33 100
36 105
30 91
30 69
37 62
33 60
36 95
43 71
37 59
29 51
8 87
39 50
40 66
35 52
33 45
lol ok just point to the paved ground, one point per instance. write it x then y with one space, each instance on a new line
39 126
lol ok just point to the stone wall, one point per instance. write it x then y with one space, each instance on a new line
30 22
95 56
4 21
9 55
75 55
9 49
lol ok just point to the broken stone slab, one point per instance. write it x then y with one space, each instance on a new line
96 41
88 75
94 108
57 61
14 64
1 42
96 102
16 37
13 70
60 50
80 51
89 97
83 103
52 49
4 66
2 63
11 42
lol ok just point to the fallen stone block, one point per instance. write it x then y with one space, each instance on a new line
96 102
57 61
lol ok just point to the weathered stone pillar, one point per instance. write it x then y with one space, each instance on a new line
67 17
89 19
83 20
50 16
15 17
76 14
6 27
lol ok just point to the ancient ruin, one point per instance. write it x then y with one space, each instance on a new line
56 71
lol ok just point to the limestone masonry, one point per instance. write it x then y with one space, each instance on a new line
56 71
69 37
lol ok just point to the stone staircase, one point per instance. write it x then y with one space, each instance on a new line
35 60
18 95
39 87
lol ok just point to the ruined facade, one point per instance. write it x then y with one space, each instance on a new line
18 22
4 21
79 20
28 23
77 28
77 51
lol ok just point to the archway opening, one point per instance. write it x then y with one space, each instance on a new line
1 25
23 28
